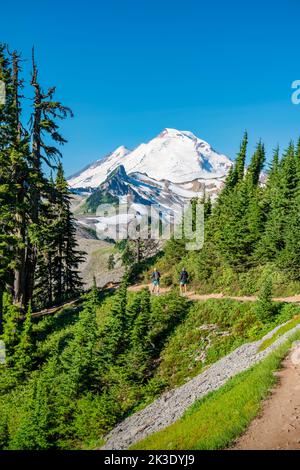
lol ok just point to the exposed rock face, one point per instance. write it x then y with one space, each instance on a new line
95 264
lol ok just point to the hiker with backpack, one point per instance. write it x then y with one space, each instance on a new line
183 280
155 278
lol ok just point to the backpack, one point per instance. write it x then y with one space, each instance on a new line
184 276
155 275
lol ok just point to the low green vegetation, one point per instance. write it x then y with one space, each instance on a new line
281 331
70 377
211 330
95 199
215 421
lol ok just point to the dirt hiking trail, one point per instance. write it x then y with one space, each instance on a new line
193 296
190 295
278 425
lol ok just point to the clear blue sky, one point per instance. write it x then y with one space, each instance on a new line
130 68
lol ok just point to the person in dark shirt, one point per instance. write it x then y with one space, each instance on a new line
183 280
155 278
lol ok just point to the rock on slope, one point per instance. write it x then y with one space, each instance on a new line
171 405
95 264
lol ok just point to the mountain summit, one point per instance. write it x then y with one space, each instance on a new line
175 156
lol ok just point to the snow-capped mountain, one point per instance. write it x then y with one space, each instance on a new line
174 156
164 173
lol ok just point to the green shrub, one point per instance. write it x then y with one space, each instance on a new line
265 307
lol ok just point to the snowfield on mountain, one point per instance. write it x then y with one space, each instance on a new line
175 156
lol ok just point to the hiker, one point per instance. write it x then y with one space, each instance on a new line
155 277
183 280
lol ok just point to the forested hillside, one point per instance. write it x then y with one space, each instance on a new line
70 377
252 234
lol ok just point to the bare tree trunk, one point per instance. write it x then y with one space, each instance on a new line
138 250
50 280
31 255
19 272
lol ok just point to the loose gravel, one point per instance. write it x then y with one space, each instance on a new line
171 405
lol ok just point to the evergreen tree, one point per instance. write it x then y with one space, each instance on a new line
132 311
47 248
141 325
43 126
238 223
36 427
67 279
58 257
19 173
140 354
8 240
207 208
10 334
80 360
289 176
38 247
288 259
297 157
24 360
280 194
239 167
256 166
235 174
116 329
264 304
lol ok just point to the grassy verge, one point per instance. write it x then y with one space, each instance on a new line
215 421
281 331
